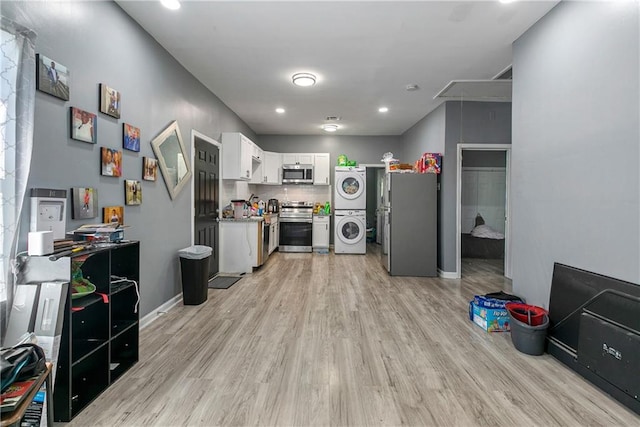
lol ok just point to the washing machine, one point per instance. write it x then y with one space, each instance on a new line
350 232
350 192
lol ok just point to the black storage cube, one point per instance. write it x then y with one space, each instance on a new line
195 278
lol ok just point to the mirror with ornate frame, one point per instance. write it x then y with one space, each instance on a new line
172 158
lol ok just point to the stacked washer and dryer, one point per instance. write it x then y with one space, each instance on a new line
350 210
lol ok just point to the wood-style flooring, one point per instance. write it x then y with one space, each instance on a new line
316 339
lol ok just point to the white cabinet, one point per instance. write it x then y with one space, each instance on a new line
239 246
256 153
274 234
269 170
321 169
237 151
256 164
293 158
320 232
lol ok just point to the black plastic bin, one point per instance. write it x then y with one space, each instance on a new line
194 265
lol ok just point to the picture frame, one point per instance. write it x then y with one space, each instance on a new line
85 202
149 169
52 77
109 101
112 214
132 192
84 126
172 159
130 137
110 162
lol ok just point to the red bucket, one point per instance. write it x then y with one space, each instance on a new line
530 314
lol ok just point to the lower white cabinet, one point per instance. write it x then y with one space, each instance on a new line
239 246
274 234
320 232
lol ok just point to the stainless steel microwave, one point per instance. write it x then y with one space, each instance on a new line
297 174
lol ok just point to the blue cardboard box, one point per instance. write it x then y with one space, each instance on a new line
489 319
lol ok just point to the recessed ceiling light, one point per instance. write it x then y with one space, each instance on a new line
330 127
303 79
383 109
280 110
171 4
412 87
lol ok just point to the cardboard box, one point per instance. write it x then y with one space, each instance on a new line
489 319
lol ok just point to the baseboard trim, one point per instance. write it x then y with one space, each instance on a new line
151 317
448 274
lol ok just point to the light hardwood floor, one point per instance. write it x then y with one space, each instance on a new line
313 339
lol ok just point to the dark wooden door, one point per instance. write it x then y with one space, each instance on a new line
206 199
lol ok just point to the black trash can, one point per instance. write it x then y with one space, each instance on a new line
194 265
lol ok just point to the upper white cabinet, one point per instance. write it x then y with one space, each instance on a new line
271 167
268 170
293 158
237 153
256 153
321 169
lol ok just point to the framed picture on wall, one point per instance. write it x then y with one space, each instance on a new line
52 77
113 214
110 162
149 169
84 125
130 137
109 101
132 192
85 202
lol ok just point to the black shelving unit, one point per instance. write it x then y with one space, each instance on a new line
99 340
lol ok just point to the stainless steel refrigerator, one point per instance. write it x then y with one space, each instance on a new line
410 244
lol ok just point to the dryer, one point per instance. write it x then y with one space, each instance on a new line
350 232
350 189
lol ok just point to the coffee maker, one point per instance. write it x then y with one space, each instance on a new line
273 206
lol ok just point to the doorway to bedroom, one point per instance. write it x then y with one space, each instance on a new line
482 207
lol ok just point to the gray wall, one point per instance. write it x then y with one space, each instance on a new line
469 123
99 43
426 136
440 131
575 145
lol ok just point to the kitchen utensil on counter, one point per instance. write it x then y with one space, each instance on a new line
238 208
272 206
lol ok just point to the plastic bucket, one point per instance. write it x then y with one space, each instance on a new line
529 339
530 314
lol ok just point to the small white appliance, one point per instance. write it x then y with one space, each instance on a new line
48 211
40 243
350 189
350 232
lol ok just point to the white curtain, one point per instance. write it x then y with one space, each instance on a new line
17 97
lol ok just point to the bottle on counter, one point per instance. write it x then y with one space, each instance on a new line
260 208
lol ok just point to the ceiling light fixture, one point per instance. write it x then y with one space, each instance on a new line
412 87
280 110
303 79
171 4
383 109
330 127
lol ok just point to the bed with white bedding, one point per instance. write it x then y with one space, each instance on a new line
483 242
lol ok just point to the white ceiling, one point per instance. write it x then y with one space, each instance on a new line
364 54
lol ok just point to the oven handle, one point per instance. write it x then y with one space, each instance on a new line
309 220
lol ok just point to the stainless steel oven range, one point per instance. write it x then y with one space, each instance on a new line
296 224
